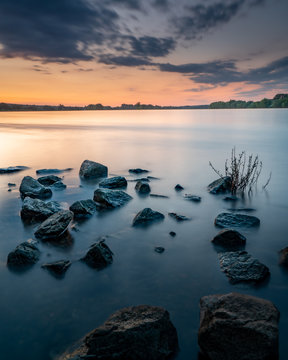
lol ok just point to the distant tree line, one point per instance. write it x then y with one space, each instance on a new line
279 101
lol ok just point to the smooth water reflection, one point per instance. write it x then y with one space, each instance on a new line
41 315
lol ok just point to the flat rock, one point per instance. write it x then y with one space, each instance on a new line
231 198
83 207
55 225
11 184
107 198
141 179
178 187
239 266
229 239
99 255
147 216
12 169
219 186
135 333
178 217
159 196
116 182
142 187
32 188
238 327
227 220
193 198
38 210
25 253
57 268
91 169
51 171
48 180
284 257
138 171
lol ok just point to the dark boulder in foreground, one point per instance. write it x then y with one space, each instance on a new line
48 180
57 268
230 239
193 198
32 188
12 169
178 217
38 210
83 207
55 225
239 266
147 216
116 182
284 257
25 253
106 198
135 333
91 169
142 187
219 186
227 220
51 171
238 327
99 255
138 171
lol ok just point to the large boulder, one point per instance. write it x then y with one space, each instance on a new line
38 210
239 266
115 182
147 216
229 239
135 333
221 185
91 169
106 198
55 226
142 187
48 180
25 253
238 327
99 255
32 188
83 208
227 220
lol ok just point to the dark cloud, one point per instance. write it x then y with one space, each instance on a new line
151 46
123 60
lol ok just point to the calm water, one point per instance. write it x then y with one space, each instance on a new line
41 315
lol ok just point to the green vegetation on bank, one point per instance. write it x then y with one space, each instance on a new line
279 101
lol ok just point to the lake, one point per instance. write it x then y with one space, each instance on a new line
42 315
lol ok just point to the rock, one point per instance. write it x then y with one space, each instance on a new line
141 179
227 220
284 257
159 196
138 171
135 333
230 239
178 217
58 185
107 198
32 188
191 197
57 268
172 233
9 190
49 171
221 185
25 253
231 198
237 326
114 183
90 169
147 216
48 180
159 249
152 178
12 169
99 255
178 187
11 184
142 187
83 208
55 225
240 266
242 209
38 210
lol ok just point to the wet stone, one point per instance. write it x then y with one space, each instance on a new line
115 182
147 216
91 169
221 185
99 255
57 267
25 253
227 220
159 249
229 239
193 198
178 217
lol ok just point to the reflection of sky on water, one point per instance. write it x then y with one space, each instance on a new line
41 315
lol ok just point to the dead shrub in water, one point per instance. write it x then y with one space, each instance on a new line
243 170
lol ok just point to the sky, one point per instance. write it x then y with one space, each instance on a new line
165 52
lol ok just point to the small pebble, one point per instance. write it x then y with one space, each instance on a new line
172 233
159 249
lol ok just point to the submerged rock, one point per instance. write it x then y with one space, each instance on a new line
284 257
237 326
159 249
11 184
48 180
83 207
32 188
242 209
221 185
138 171
58 268
231 198
178 187
172 233
178 217
227 220
230 239
38 210
25 253
191 197
142 187
55 225
91 169
140 179
55 171
12 169
135 333
115 182
147 216
239 266
107 198
99 255
159 196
